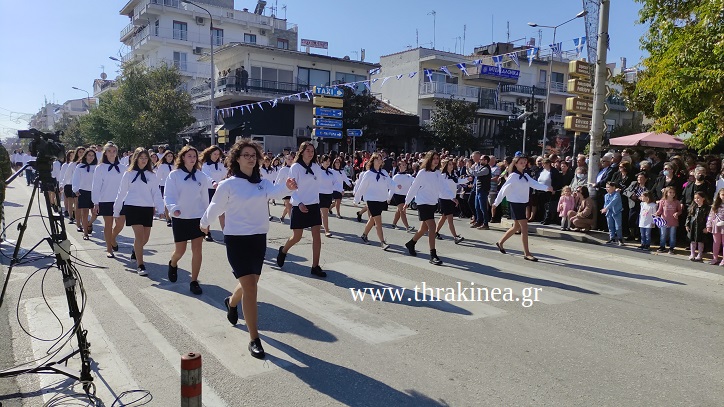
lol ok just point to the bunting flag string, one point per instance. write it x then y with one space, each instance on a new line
514 56
462 68
428 73
579 43
384 80
447 71
498 61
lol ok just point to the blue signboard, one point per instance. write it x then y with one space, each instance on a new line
333 124
326 112
330 91
504 72
324 133
354 132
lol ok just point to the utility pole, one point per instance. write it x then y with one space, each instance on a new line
599 95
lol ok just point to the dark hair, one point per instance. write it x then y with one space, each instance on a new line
173 156
108 145
611 184
300 153
323 158
337 160
583 191
85 154
179 162
648 195
427 161
206 154
514 161
78 158
232 160
717 200
134 160
642 173
692 207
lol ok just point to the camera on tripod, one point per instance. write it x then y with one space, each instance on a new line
44 145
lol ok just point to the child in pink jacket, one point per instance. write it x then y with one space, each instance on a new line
565 204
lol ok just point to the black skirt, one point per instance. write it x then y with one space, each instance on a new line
397 199
186 229
211 194
138 215
517 210
106 209
325 200
84 199
301 220
376 208
162 188
447 207
68 191
426 212
337 195
245 253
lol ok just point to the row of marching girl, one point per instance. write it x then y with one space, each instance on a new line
213 167
82 185
66 183
374 185
164 167
244 196
106 183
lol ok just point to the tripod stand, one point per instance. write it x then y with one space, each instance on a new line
60 245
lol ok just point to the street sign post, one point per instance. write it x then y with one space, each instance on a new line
327 133
325 112
328 123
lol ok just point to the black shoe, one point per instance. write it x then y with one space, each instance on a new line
411 247
256 350
364 239
671 251
434 259
209 238
71 221
195 288
232 313
115 248
661 250
317 271
65 213
79 229
438 236
458 239
281 256
168 223
359 217
173 273
133 255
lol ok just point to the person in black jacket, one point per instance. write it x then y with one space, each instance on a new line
623 178
666 179
633 192
700 184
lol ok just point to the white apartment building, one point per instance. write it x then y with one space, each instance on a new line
52 113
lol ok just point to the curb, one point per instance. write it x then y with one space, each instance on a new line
553 232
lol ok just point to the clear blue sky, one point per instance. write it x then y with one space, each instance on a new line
51 46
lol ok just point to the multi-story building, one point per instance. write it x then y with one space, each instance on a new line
51 113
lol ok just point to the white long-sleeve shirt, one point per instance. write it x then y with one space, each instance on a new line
270 175
342 179
282 175
138 193
425 189
83 177
217 171
307 192
106 183
55 172
162 171
61 175
245 205
68 174
186 195
374 188
517 189
327 181
402 184
449 188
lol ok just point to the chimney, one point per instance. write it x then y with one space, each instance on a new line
623 63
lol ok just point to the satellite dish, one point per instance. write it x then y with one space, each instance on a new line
103 76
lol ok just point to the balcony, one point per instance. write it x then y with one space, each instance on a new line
127 31
490 107
258 90
555 118
446 90
616 103
523 90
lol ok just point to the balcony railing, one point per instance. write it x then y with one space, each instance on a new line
492 105
431 88
558 87
526 90
254 86
130 27
614 100
555 118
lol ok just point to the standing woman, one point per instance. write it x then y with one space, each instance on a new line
448 202
425 190
282 175
106 182
164 167
213 167
68 184
69 158
516 190
244 196
82 186
137 196
374 185
327 183
305 205
185 197
402 182
342 179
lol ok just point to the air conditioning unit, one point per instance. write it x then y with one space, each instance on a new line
300 132
262 32
200 20
198 50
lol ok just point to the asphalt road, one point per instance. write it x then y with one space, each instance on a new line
609 326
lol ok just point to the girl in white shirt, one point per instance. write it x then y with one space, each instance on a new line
213 166
327 182
374 186
68 185
425 190
244 196
282 175
448 201
305 205
356 186
402 182
55 173
164 167
516 189
268 172
185 198
106 182
342 179
82 186
69 157
138 197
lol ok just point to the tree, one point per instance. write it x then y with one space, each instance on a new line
451 124
682 85
359 109
511 135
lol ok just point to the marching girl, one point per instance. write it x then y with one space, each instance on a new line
55 174
82 186
106 182
213 166
269 173
374 186
282 175
244 196
185 198
425 190
69 158
305 205
516 189
137 196
448 202
163 168
327 183
342 179
154 161
402 182
70 197
356 186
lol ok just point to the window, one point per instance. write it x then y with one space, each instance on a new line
282 43
341 77
425 114
556 109
557 77
218 36
250 38
156 27
543 75
179 60
313 77
180 31
440 78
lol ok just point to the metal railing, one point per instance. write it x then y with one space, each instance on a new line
556 118
526 90
558 87
130 27
431 88
492 105
254 86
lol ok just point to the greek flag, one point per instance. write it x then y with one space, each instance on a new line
531 53
374 71
447 71
399 76
579 43
557 49
514 57
498 60
462 67
412 74
478 62
428 73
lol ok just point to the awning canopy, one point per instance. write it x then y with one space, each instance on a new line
651 139
216 129
233 122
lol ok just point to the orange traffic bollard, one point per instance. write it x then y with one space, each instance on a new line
191 380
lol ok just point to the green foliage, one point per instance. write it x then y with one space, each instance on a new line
511 135
682 86
634 127
451 123
359 109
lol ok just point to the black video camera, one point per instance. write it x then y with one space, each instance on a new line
44 145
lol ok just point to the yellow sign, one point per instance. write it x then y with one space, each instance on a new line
580 87
579 105
580 69
575 123
222 132
328 102
221 140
